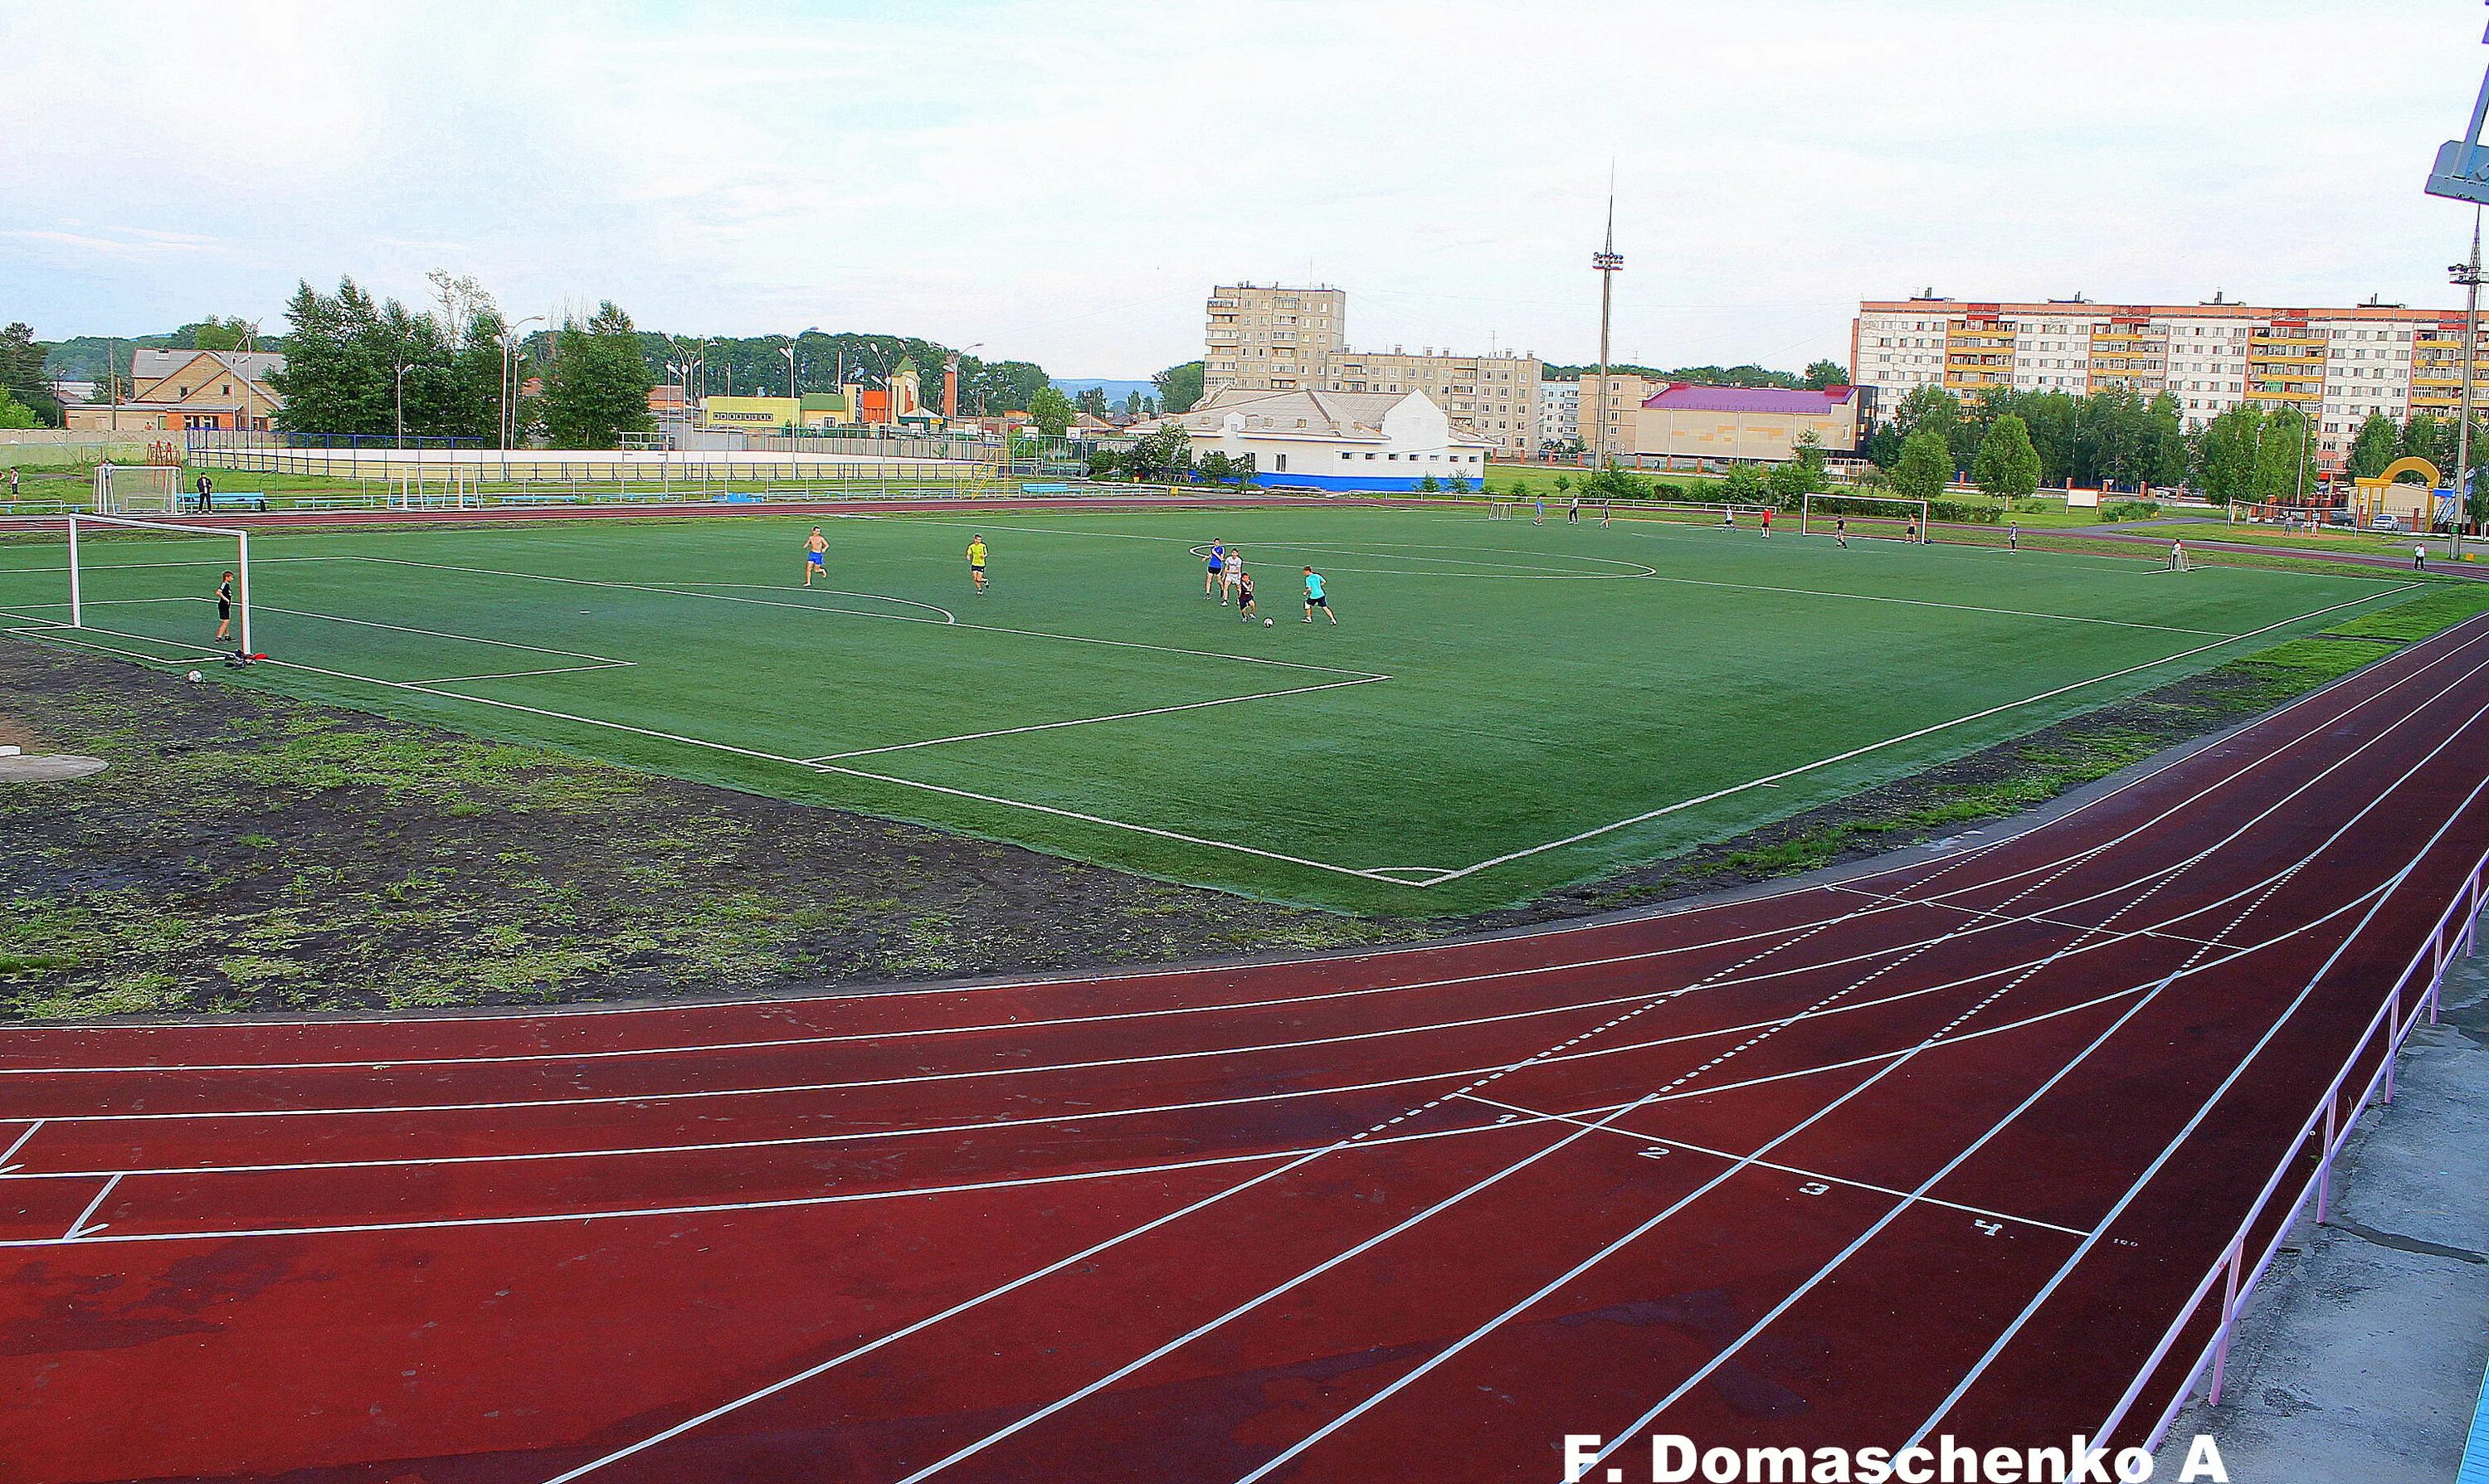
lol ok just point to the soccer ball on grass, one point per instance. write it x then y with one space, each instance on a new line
196 677
1267 622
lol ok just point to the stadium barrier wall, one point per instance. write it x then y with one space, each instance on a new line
2327 1129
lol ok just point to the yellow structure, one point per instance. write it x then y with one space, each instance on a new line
2412 505
769 415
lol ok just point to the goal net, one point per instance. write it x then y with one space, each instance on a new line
140 489
1876 517
154 590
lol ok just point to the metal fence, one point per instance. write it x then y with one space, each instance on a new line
2366 1074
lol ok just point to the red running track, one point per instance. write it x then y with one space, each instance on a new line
1943 1149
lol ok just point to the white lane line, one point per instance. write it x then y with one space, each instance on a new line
533 1218
520 674
1639 1137
2439 650
11 1152
1091 720
1908 736
2092 1239
720 1207
79 1228
825 767
981 628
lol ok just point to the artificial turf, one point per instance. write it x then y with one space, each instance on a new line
1555 702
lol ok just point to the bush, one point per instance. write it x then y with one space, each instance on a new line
1427 485
1668 490
2033 506
2130 510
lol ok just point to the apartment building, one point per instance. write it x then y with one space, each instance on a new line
1618 400
2337 365
1559 413
1493 397
1273 338
1267 338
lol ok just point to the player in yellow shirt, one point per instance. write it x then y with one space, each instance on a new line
977 562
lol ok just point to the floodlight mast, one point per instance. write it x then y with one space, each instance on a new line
2467 273
1607 262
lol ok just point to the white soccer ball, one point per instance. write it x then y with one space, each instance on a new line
196 677
1267 622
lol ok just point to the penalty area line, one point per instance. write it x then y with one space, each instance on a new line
755 754
1089 721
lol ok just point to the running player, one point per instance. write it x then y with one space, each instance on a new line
1539 519
977 562
1603 512
816 556
1316 598
1217 563
1841 531
224 607
1245 597
1234 576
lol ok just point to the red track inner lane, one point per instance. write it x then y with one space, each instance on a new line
1834 1166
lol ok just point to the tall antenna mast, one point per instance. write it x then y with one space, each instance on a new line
1607 262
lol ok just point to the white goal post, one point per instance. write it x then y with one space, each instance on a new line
242 566
1893 507
138 489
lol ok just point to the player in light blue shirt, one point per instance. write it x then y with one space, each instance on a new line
1315 597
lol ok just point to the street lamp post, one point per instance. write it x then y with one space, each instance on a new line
399 442
510 424
2467 274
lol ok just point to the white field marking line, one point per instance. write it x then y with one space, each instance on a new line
133 566
11 1152
1544 1056
1908 736
1894 1062
1787 1169
782 1203
520 675
2204 1111
948 616
825 767
2450 651
53 635
37 619
1091 720
816 1370
809 608
1353 1139
1344 1255
1719 979
79 1225
1967 607
1386 552
470 639
2376 898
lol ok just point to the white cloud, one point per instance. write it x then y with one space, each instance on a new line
1065 179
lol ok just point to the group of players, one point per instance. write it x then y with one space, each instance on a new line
1227 579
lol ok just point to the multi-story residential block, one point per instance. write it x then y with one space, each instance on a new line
2337 365
1617 401
1273 338
1267 338
1559 413
1493 397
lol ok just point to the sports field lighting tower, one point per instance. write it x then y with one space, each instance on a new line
789 350
1607 262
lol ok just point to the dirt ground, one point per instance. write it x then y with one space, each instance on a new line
246 853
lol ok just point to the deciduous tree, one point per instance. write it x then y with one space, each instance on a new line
2007 467
598 387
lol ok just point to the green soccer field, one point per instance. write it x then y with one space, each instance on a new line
1502 707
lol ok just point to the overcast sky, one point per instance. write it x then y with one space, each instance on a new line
1063 181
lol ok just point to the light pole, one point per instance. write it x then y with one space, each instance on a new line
2467 274
509 421
1607 262
399 442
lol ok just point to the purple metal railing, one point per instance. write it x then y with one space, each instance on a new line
2331 1124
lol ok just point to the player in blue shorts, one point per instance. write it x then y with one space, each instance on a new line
1316 598
816 556
1217 563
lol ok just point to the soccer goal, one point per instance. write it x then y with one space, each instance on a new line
191 580
136 489
1882 517
1500 509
